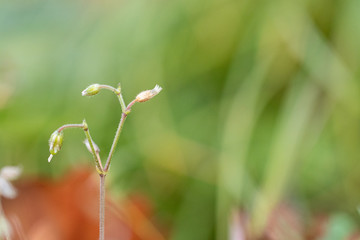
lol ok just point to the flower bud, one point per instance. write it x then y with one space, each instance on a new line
91 90
148 94
87 144
55 143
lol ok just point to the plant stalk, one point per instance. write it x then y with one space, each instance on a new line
102 208
118 131
116 139
70 126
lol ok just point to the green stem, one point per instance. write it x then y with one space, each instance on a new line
118 131
122 102
116 139
117 91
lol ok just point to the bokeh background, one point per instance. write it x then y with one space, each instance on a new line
259 110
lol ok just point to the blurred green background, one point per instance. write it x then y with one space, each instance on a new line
260 102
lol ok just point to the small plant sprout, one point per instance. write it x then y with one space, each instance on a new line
56 138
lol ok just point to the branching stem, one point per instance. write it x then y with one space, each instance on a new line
125 113
96 156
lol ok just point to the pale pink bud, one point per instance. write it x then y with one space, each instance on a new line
148 94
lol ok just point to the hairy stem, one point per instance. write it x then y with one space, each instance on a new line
116 139
102 208
70 126
118 131
122 102
107 87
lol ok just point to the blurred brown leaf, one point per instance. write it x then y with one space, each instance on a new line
68 209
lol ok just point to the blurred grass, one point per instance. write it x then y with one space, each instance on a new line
260 101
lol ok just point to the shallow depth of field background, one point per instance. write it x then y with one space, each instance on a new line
260 104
